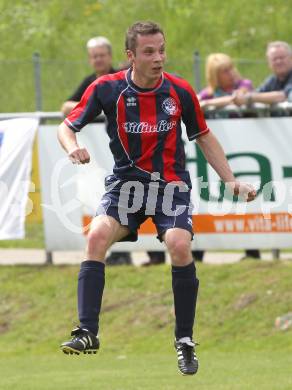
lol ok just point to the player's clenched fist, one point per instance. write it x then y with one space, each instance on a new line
243 190
79 156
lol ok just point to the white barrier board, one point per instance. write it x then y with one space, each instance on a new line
258 150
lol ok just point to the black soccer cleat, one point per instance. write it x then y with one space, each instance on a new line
82 341
186 357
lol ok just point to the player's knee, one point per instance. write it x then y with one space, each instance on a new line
98 237
178 247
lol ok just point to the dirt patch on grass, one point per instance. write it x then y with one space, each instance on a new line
4 327
136 299
244 301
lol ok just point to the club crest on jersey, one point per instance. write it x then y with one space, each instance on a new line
131 101
169 106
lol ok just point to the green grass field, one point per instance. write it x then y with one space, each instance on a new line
239 345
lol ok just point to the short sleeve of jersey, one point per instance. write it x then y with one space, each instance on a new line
86 110
192 115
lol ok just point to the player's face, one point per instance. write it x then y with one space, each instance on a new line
149 57
100 59
280 61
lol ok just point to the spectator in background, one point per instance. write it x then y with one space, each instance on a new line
100 58
277 87
223 82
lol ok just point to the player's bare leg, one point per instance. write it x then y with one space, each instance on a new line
185 289
104 231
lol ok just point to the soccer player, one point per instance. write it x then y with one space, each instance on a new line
144 107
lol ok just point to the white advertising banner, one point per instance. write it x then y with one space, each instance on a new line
16 141
258 151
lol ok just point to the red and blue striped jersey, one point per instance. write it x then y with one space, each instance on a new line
144 125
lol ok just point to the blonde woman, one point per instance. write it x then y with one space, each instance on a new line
223 82
224 85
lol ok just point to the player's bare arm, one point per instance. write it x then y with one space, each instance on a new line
214 154
68 106
68 140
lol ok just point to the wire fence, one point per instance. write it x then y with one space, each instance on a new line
43 85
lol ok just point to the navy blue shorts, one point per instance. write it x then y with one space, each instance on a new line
132 202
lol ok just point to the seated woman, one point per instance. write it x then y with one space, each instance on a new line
223 82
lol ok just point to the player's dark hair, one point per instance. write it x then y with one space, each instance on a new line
142 28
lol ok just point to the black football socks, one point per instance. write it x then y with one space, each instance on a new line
91 282
185 287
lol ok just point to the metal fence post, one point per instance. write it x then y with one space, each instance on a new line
49 258
197 71
36 59
276 254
